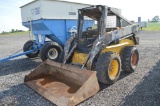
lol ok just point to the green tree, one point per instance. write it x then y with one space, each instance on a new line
155 19
12 30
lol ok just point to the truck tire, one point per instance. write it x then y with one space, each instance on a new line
50 51
129 58
108 67
29 46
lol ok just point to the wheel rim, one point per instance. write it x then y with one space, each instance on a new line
32 48
134 59
113 69
53 53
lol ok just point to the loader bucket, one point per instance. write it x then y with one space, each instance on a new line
62 84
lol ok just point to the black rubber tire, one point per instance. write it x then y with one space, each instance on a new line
103 65
126 58
28 46
61 57
45 49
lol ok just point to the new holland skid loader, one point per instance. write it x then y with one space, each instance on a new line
97 53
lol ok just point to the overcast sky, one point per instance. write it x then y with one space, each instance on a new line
10 16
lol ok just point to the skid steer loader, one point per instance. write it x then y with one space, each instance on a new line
96 53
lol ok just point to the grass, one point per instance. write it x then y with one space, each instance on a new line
18 33
26 32
153 26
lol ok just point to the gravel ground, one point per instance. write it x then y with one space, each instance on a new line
141 88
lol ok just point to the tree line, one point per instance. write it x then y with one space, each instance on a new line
12 31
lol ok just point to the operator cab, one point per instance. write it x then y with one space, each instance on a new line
99 20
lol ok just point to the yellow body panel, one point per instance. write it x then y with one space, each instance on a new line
80 58
118 47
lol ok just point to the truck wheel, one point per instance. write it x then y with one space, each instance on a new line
29 46
129 58
50 51
108 67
